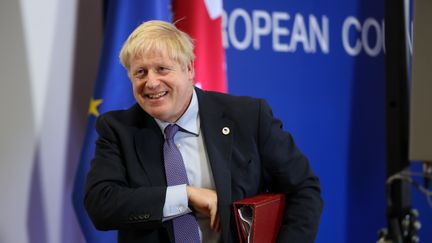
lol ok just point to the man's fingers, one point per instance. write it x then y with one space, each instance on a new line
216 226
212 218
204 201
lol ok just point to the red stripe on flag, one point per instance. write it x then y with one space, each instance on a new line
194 19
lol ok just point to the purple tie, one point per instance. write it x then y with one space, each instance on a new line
185 226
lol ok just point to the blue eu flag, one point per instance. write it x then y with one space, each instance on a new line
112 91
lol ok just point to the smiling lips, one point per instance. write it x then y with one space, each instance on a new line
156 95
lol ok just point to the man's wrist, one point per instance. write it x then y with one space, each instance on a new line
176 201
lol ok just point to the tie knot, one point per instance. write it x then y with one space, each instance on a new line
171 130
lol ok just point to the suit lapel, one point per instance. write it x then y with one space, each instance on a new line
148 145
218 138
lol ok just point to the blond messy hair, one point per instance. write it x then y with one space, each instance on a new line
157 37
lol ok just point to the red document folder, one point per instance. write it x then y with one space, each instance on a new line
259 218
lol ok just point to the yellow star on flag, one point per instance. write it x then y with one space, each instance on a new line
93 108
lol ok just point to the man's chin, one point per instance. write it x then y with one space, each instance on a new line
160 115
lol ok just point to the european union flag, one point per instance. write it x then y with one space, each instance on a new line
112 91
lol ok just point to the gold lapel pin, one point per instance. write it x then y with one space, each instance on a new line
225 131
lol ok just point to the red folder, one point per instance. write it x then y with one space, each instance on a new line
259 218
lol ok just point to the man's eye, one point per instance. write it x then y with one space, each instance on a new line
162 70
140 73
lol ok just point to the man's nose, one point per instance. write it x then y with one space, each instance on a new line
152 80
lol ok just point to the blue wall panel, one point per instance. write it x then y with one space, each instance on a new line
331 97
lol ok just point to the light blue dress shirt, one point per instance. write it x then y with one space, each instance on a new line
189 141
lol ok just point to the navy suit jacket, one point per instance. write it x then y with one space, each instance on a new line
126 186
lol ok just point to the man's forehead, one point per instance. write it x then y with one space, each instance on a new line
151 53
153 56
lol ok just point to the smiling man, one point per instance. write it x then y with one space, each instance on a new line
169 168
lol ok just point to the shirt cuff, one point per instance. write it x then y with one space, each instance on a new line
176 202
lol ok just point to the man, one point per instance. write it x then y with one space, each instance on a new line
224 148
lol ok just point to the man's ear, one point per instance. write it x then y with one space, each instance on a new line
191 70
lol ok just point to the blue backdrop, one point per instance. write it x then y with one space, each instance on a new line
320 64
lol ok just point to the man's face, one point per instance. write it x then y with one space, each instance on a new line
161 86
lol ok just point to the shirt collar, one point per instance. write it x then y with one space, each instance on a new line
189 121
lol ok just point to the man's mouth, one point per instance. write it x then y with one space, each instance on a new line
156 95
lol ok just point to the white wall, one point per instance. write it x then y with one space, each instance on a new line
48 63
17 125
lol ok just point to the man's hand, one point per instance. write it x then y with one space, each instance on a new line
204 201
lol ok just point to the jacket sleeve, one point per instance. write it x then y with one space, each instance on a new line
287 170
109 200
